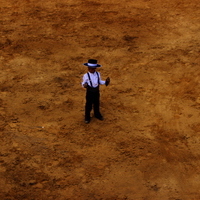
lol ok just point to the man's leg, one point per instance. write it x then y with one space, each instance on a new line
88 106
97 113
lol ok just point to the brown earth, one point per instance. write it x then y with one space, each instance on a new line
148 146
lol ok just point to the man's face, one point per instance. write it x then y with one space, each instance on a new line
91 69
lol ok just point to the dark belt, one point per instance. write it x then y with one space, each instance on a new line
91 89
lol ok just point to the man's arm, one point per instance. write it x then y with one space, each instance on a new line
84 83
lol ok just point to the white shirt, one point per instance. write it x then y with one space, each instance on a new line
94 79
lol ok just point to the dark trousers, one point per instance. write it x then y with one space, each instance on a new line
92 99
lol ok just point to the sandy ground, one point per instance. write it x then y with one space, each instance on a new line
148 146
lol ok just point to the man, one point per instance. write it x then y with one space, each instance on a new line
91 82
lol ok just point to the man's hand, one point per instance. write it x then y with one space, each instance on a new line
107 81
85 85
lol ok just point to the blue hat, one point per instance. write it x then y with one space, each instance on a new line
92 63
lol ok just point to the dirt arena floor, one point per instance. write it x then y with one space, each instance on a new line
148 146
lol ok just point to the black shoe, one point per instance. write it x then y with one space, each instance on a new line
100 118
87 121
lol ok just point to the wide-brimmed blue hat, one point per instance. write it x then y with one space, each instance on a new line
92 63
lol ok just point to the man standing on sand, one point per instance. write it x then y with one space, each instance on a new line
91 82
